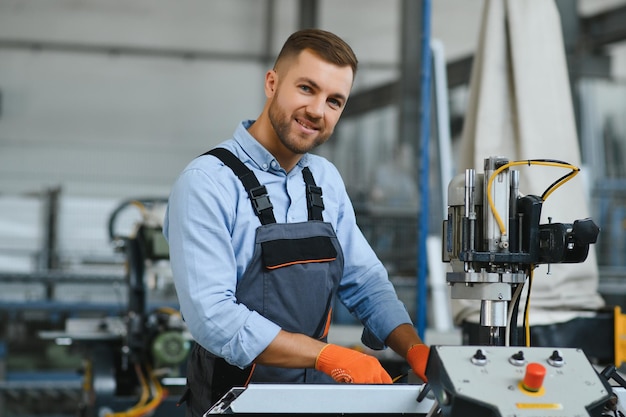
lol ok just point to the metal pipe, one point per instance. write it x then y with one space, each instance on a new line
470 214
424 169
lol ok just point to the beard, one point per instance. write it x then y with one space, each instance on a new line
294 142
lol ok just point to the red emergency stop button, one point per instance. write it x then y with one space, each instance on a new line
533 379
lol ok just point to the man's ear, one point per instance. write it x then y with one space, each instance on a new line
271 81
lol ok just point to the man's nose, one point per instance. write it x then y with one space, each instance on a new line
316 107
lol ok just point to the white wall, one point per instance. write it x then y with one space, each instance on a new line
90 114
122 124
109 125
101 125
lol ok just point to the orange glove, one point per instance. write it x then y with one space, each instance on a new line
348 365
417 357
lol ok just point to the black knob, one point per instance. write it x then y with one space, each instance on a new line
517 359
556 359
479 358
585 231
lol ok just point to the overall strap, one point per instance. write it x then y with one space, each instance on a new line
314 202
258 193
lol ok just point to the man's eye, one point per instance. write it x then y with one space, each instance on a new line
305 88
334 103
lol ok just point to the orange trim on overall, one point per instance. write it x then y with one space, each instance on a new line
301 262
327 327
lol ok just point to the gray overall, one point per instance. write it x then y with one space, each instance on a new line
291 280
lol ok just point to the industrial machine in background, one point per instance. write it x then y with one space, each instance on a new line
493 240
135 361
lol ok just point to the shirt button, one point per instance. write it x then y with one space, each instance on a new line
274 164
264 166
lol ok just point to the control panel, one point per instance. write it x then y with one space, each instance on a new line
518 381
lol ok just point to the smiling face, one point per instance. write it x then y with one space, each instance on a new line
306 96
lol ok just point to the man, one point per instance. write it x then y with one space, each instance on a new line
264 236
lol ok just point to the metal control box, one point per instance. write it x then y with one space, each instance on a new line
490 381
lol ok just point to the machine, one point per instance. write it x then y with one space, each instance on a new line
493 240
501 381
134 361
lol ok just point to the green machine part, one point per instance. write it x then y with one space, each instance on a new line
170 348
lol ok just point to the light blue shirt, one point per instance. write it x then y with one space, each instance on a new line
210 226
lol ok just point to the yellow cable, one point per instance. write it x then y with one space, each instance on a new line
88 377
169 310
145 394
145 390
558 184
546 194
158 397
141 408
501 224
139 205
399 377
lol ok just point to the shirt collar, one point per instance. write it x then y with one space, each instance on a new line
256 152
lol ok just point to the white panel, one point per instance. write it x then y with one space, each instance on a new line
90 293
376 37
69 98
371 27
216 25
21 232
95 170
285 23
457 24
618 60
102 119
22 292
83 226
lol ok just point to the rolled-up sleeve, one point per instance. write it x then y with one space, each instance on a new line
200 215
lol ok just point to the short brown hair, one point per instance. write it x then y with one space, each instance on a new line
326 45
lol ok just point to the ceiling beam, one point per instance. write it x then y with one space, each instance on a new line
604 28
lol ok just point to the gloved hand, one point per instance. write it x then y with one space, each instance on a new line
417 357
348 365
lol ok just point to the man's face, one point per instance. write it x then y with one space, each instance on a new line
308 97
